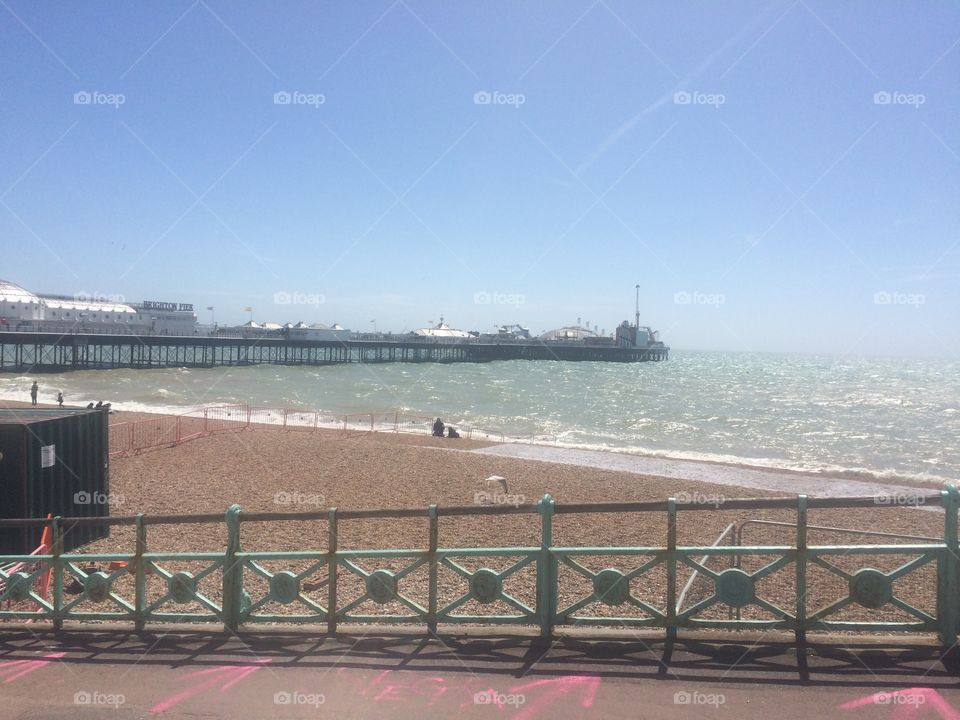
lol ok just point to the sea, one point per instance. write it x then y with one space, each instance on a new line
874 417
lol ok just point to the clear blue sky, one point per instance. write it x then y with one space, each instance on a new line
735 155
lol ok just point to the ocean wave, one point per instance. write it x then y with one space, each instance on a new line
702 458
799 414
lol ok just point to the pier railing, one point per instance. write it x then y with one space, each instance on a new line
166 430
545 584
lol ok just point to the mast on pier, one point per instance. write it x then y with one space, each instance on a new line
636 323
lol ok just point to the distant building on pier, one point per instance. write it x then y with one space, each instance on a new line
25 310
442 331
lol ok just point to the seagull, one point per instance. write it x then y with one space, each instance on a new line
498 479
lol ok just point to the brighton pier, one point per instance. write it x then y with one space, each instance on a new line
58 352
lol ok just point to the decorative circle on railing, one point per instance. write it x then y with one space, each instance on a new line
382 586
870 588
734 587
96 586
284 587
182 587
19 586
485 586
610 588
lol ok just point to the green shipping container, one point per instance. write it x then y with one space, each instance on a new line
53 461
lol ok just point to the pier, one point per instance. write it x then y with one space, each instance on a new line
58 352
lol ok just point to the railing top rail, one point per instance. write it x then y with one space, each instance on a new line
830 529
877 502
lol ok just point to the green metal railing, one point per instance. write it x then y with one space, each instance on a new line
143 587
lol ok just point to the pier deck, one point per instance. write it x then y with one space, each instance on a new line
55 352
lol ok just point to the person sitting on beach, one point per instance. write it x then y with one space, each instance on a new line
438 427
90 406
99 404
452 432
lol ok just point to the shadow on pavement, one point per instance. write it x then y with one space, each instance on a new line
713 659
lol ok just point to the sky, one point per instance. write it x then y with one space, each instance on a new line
776 176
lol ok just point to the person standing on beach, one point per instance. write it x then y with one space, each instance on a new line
60 398
34 389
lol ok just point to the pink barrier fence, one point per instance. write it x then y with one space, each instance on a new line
165 431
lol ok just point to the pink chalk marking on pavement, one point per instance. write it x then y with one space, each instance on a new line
230 675
908 704
558 688
18 668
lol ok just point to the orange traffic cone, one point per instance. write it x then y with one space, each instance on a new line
46 548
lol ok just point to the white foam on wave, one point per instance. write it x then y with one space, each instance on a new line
763 463
715 474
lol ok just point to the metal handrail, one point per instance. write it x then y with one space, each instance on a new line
173 595
824 528
693 575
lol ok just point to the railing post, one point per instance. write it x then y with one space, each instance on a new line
140 574
332 572
232 572
801 567
671 568
434 567
546 575
57 532
948 575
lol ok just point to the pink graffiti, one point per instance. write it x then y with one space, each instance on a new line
538 695
554 689
18 668
908 704
229 675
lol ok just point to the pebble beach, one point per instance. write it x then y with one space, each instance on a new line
272 470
